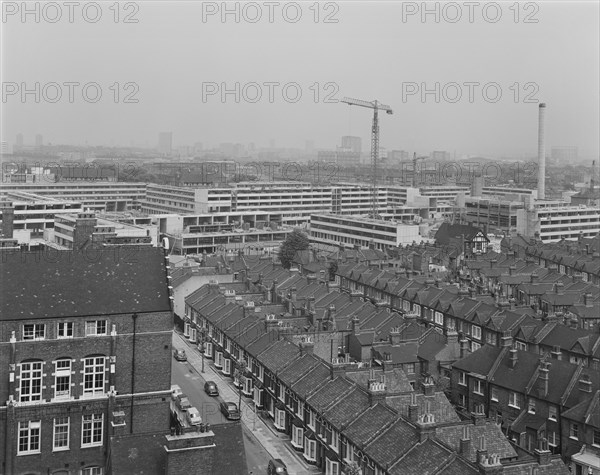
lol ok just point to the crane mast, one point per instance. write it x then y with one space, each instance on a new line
415 160
376 106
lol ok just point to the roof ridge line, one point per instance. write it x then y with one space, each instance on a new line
496 363
571 384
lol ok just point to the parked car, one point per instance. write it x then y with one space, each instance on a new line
210 388
194 416
230 411
276 466
180 355
175 391
183 402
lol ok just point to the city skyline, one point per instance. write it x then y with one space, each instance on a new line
402 54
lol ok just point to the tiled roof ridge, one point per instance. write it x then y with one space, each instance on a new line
571 384
536 373
544 331
496 364
384 428
592 408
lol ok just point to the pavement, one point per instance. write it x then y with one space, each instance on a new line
275 443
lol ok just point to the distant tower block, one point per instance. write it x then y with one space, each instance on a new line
542 152
477 186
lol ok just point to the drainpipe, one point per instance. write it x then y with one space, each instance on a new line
134 317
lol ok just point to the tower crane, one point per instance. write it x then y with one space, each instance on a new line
376 106
415 160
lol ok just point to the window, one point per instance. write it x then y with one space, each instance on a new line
478 387
462 378
95 328
61 434
417 309
519 345
552 439
310 449
280 419
62 379
91 430
552 413
31 382
226 366
596 439
531 406
34 331
475 346
494 395
513 400
410 368
439 318
335 440
219 359
93 471
574 431
300 410
462 401
311 419
281 392
64 330
476 332
298 437
93 376
332 468
261 374
258 397
29 437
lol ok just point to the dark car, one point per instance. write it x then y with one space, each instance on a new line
277 467
183 402
230 411
180 355
210 388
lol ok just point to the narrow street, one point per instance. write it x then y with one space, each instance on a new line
261 442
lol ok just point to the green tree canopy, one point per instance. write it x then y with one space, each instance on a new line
296 241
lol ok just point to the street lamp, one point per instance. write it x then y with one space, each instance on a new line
239 372
202 332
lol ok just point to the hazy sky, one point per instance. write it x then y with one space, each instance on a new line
376 50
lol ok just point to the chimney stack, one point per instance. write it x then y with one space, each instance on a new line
513 357
585 385
413 408
542 152
465 441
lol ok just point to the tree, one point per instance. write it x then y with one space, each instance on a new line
333 268
296 241
353 469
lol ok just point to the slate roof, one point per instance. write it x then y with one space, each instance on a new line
334 389
83 283
370 423
424 458
495 440
279 355
439 406
316 377
230 453
586 412
392 443
348 408
295 371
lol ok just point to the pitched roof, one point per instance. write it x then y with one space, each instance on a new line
369 423
496 442
279 355
330 391
395 441
81 283
348 408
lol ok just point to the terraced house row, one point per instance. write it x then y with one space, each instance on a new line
338 411
482 318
